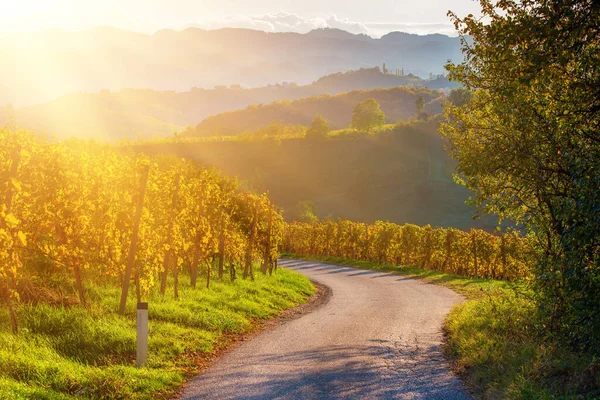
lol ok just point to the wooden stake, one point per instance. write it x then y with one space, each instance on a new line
267 256
175 277
79 284
222 245
474 239
248 270
170 259
232 273
11 282
134 240
197 251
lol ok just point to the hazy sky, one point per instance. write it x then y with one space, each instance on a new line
373 17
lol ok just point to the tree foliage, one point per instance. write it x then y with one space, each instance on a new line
460 96
367 115
419 105
528 143
318 129
306 211
397 103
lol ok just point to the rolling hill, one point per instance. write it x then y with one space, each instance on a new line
148 113
397 104
402 175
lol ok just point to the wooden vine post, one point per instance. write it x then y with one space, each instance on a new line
197 250
338 239
209 271
349 246
475 265
232 272
448 247
248 270
222 245
313 239
328 239
174 260
134 239
170 257
79 283
136 279
11 286
267 256
503 255
428 245
367 243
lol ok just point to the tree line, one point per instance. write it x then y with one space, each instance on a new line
527 142
397 104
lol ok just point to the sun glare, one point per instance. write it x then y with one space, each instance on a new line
28 15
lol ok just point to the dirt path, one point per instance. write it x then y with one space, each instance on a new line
378 337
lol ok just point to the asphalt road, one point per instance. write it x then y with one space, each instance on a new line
379 337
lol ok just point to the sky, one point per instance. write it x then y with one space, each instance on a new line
374 17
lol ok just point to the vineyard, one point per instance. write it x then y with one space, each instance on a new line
475 253
89 212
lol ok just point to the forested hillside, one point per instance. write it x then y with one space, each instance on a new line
148 113
400 173
373 78
397 104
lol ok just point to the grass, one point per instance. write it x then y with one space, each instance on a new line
68 352
470 288
495 341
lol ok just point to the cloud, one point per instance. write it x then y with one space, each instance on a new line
346 25
286 22
425 28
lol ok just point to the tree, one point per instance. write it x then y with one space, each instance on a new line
319 128
367 115
460 96
306 211
419 105
528 144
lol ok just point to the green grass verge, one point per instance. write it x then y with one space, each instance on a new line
495 342
470 288
63 353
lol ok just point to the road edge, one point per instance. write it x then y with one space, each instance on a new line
232 341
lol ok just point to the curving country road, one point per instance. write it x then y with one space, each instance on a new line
379 337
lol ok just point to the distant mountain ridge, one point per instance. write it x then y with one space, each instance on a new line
42 66
148 113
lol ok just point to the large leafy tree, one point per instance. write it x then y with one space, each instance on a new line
419 105
528 143
367 115
318 129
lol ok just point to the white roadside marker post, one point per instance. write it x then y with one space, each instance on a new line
142 334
